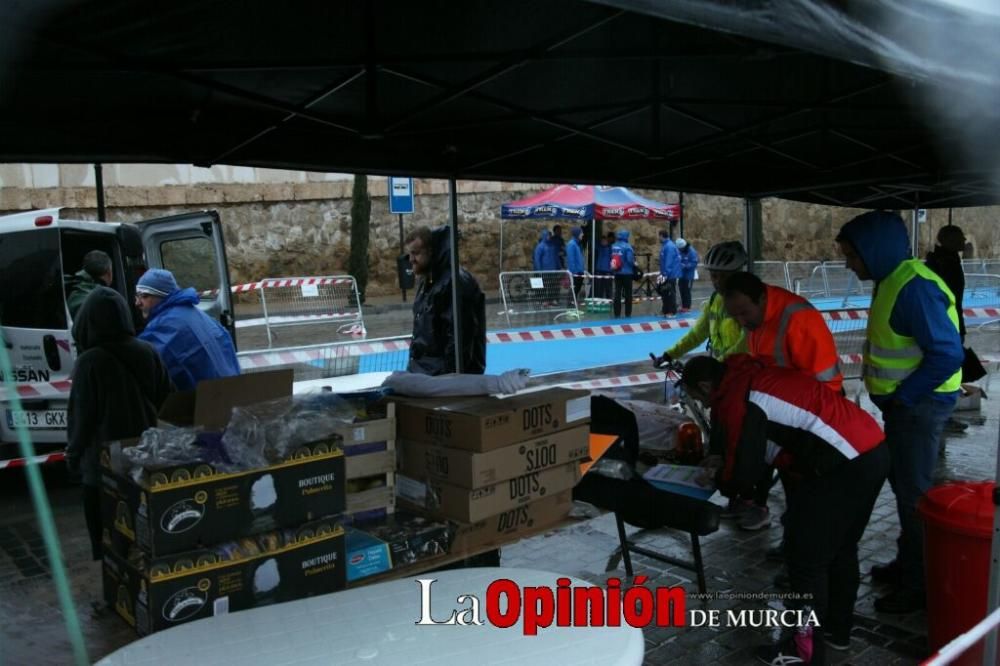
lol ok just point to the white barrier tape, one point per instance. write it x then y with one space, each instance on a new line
58 389
279 282
41 460
956 648
588 331
625 380
268 359
861 313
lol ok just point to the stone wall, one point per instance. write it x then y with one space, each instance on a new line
303 228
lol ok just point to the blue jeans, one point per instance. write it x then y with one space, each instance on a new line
913 435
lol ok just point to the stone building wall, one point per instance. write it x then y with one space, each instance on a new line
302 226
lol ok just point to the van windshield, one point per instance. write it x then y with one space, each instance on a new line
31 281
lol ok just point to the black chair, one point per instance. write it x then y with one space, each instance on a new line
638 503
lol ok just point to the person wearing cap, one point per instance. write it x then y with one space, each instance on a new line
670 272
689 268
912 368
832 452
623 269
193 346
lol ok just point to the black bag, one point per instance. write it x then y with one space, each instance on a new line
972 367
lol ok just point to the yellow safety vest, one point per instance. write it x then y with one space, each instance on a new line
725 336
889 358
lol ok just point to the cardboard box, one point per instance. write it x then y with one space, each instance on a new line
485 423
476 470
185 514
161 593
468 506
513 524
366 555
394 541
211 404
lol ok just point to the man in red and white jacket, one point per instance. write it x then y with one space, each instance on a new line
831 454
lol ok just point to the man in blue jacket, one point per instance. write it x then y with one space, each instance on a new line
912 369
623 268
689 267
574 260
670 272
192 345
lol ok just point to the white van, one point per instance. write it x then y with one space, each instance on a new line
39 253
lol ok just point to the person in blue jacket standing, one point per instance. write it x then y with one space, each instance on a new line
543 252
623 268
193 346
912 369
574 260
670 272
689 266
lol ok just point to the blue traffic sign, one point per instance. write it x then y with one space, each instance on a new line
400 195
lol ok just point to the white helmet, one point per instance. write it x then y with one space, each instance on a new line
728 256
681 243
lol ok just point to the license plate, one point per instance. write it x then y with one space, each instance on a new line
38 420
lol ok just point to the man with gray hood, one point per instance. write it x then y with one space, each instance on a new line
912 369
119 384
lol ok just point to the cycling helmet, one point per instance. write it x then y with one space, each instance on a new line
681 243
728 256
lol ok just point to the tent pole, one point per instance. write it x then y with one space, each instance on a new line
99 185
501 248
680 215
593 255
456 305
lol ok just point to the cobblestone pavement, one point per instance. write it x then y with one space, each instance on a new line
32 630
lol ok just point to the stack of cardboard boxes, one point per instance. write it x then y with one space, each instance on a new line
184 542
498 467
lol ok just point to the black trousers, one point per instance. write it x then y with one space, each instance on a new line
92 514
685 286
577 286
623 291
825 520
603 287
668 294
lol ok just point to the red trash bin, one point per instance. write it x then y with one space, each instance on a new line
958 527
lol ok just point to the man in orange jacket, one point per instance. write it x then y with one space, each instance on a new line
786 329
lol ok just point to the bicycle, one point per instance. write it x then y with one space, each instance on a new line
678 399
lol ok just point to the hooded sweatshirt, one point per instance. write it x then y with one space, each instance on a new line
432 349
574 255
920 310
119 382
546 257
194 346
670 259
625 251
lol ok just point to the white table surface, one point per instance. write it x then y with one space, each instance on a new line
346 384
376 624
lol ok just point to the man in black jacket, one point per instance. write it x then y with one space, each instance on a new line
119 383
946 262
432 349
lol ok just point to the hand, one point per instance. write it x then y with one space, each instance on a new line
660 361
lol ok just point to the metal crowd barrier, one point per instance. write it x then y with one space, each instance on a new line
539 296
305 301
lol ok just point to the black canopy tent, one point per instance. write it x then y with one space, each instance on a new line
885 104
797 99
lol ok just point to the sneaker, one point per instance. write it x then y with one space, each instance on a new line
735 508
954 425
795 650
755 518
837 640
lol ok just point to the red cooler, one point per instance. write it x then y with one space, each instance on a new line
958 526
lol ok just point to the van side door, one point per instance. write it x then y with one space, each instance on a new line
192 247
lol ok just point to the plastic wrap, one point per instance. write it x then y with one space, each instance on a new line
270 432
169 447
612 469
657 424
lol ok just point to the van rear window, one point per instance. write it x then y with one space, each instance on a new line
31 280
